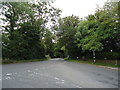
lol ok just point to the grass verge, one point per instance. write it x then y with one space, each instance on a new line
8 61
108 63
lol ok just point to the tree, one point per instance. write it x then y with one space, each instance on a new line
26 23
66 30
108 24
14 14
97 29
49 45
86 36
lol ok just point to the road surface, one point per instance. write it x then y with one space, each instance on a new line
57 73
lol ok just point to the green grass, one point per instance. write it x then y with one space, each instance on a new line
8 61
110 63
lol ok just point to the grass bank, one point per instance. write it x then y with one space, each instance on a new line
8 61
109 63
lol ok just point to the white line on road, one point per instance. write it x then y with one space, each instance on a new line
59 82
62 80
56 78
8 78
78 87
9 74
28 70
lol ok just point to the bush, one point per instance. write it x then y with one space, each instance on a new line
108 55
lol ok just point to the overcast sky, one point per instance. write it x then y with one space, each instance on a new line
79 8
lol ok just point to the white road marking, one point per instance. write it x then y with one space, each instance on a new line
9 74
8 78
56 78
59 82
78 87
62 80
28 70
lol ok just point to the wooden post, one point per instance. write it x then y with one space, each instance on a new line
94 57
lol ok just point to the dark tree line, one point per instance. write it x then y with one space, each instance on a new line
96 36
25 34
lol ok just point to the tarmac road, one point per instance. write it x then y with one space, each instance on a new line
57 73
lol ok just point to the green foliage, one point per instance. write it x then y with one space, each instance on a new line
25 36
106 64
48 41
87 36
100 31
66 30
108 55
8 61
26 41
